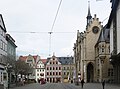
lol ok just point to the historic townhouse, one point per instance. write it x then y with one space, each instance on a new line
3 49
31 60
40 69
91 52
11 56
114 26
7 54
68 68
11 47
53 70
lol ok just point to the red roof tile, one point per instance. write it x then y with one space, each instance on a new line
44 60
22 58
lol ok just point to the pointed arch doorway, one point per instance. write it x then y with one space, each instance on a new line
90 72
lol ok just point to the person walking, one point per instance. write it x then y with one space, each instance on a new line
103 84
82 83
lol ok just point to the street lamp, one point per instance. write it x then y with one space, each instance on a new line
71 70
8 68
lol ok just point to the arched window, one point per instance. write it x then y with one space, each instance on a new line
53 68
56 62
59 68
47 73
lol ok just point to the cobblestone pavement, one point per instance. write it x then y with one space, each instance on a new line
67 86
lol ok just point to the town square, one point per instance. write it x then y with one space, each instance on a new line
60 44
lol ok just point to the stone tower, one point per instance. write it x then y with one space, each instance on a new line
89 17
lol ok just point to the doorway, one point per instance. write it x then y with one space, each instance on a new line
90 72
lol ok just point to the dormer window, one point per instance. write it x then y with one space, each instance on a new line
29 60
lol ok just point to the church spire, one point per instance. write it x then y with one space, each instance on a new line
89 17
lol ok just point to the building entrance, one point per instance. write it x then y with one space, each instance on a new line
90 72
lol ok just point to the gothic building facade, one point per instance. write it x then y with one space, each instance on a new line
91 51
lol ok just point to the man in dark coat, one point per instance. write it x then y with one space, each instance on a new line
103 83
82 83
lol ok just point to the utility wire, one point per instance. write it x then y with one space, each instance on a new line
38 32
105 19
98 0
56 16
53 27
70 54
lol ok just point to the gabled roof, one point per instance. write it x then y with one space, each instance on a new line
10 40
24 58
115 4
64 60
44 61
2 25
104 35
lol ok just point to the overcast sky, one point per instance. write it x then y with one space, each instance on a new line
21 17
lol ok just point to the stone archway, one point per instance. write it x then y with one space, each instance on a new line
90 72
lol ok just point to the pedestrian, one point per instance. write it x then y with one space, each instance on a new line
103 84
82 83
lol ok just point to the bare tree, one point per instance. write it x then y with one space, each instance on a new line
16 66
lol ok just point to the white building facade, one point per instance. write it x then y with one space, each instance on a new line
3 50
40 69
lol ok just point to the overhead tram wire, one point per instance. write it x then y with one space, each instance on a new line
56 16
53 27
35 32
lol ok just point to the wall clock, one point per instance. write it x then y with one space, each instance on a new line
95 29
